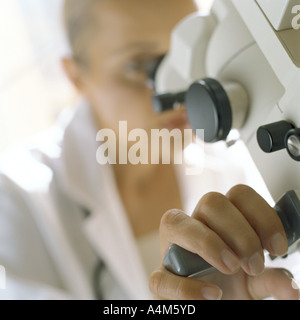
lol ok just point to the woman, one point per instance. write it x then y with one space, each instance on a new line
77 229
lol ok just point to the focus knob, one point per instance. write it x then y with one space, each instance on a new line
271 137
292 143
216 107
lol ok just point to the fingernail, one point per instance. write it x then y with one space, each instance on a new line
288 273
211 293
295 285
230 260
278 244
256 264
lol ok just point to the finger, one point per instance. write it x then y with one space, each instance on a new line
178 228
276 283
262 218
219 214
165 285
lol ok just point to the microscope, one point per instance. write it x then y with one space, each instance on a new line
238 67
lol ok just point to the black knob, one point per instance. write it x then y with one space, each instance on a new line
164 102
292 143
208 108
271 137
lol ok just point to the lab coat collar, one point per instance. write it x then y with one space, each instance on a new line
93 187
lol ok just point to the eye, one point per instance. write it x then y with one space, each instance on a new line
144 69
136 66
136 72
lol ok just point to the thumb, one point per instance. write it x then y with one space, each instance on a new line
276 283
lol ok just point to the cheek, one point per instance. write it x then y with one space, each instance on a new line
120 101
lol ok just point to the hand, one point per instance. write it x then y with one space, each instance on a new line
230 233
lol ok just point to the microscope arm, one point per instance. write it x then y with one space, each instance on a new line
239 67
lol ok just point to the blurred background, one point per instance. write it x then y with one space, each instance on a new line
33 87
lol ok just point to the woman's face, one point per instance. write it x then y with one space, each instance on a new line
131 34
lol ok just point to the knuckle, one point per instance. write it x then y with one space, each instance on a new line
181 289
248 244
171 218
207 240
163 285
156 282
211 199
209 205
238 190
188 290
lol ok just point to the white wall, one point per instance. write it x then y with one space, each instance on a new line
33 87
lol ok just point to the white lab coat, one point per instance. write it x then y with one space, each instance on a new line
60 213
